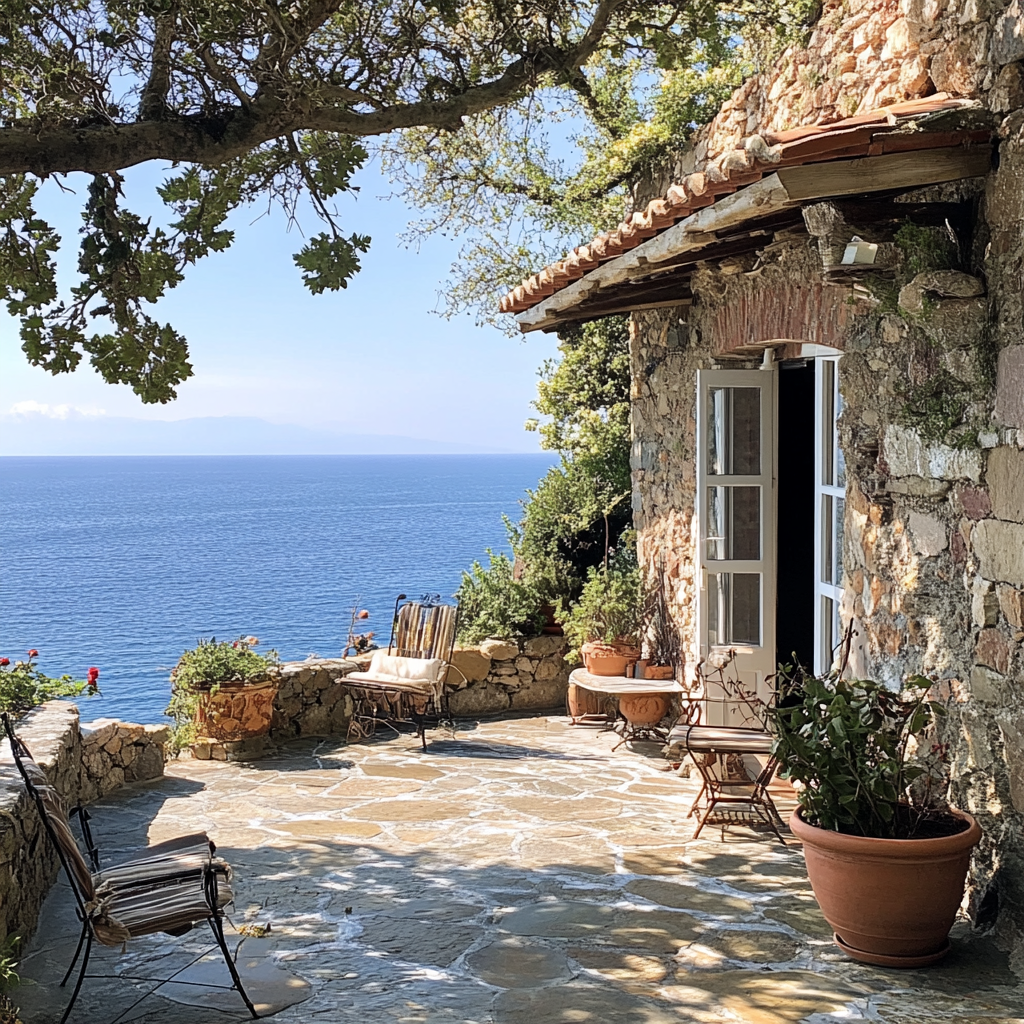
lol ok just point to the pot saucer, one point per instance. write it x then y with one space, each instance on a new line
882 960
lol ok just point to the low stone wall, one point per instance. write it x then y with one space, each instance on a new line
500 675
312 699
504 675
83 763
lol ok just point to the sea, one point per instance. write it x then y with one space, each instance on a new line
123 562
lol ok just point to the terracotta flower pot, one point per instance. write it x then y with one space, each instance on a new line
644 709
583 702
659 672
602 659
237 711
890 902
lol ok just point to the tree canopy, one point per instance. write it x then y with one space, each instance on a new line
252 99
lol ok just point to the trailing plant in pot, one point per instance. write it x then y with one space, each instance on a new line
605 622
886 855
222 690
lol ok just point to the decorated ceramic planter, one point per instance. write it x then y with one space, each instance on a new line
236 711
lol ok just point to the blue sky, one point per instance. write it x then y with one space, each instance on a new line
372 359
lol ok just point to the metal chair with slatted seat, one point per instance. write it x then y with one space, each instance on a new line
168 888
408 683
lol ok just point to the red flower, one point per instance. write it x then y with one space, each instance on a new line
33 653
364 614
5 661
92 675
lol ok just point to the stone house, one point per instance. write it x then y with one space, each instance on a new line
827 344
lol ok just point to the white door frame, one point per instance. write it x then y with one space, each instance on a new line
829 509
751 662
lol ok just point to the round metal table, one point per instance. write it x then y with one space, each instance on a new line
636 711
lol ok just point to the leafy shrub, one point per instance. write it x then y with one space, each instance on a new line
609 609
23 686
8 979
227 661
493 603
859 750
202 669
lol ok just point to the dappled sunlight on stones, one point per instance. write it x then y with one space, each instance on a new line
535 879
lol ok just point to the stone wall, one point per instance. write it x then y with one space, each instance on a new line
83 763
934 528
866 54
528 675
312 699
499 676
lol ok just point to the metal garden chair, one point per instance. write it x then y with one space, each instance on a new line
725 730
408 682
166 888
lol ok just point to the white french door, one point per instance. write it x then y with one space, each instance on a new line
736 473
830 498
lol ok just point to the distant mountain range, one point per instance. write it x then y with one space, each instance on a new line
76 434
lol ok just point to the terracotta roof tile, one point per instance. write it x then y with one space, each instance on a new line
759 155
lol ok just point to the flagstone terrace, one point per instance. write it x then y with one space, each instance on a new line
520 872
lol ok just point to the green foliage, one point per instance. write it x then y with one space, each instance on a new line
937 406
580 508
8 979
610 606
493 603
226 661
23 686
202 669
853 746
926 248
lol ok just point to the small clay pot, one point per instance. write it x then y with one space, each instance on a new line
890 902
659 671
583 702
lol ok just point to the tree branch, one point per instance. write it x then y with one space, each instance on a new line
153 102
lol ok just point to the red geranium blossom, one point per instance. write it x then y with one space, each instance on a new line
5 661
33 653
92 675
364 614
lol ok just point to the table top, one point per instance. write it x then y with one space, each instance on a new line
623 684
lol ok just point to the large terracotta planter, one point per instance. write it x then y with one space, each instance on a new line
237 711
890 902
602 659
644 710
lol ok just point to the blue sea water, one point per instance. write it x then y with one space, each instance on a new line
123 562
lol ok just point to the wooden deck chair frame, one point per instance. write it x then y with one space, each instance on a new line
147 870
413 635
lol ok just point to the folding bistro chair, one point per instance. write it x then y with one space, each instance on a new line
725 732
166 888
406 684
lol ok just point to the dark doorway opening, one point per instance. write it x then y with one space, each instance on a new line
794 630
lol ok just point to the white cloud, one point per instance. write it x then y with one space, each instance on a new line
52 412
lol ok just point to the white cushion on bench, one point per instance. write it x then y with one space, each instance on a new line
415 675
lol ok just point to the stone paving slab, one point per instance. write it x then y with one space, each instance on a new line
518 874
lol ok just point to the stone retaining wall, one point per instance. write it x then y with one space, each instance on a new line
506 675
83 762
492 677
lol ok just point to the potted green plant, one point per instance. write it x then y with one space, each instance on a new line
605 621
223 690
660 637
887 856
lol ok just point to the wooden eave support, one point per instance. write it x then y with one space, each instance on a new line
787 188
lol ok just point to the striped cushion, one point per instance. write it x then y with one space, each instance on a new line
706 738
179 858
173 907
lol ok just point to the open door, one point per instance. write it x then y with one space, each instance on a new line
736 411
